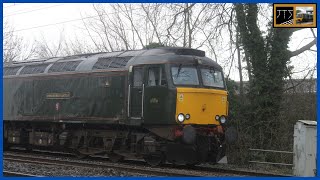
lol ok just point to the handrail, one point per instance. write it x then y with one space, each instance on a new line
142 102
129 96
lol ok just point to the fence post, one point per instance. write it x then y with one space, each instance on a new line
305 148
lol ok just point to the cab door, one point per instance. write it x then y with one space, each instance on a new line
136 95
157 104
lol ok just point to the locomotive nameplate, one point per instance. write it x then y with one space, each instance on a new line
63 95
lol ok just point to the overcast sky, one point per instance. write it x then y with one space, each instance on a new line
34 21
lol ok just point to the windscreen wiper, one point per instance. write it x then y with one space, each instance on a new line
179 69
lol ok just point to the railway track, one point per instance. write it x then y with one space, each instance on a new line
17 174
132 166
238 172
72 163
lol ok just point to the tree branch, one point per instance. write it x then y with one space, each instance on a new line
314 35
292 30
304 48
177 14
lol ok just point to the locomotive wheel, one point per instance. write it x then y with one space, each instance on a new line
155 159
115 157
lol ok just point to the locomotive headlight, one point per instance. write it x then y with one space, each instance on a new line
181 117
223 119
217 117
187 116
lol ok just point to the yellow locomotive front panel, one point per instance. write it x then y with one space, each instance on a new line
201 95
201 106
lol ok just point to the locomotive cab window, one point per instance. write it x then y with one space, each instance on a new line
212 78
184 75
156 76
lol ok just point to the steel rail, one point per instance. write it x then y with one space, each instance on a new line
239 172
127 168
18 174
140 167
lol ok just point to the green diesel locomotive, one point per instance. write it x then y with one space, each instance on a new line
162 104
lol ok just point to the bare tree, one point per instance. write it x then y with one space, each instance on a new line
11 44
211 27
152 17
77 46
14 46
45 49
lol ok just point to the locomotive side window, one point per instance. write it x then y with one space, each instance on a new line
137 77
156 76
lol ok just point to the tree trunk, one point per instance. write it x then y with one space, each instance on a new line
185 26
239 64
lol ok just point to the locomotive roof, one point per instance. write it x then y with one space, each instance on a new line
119 60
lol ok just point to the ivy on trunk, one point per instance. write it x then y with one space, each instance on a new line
268 59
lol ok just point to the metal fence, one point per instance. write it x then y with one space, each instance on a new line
252 151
